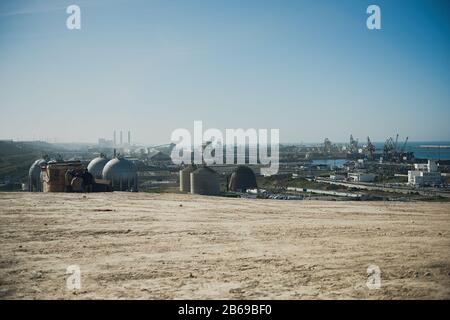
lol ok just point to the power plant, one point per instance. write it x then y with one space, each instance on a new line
114 143
386 167
101 174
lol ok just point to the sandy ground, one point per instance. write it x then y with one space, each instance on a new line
172 246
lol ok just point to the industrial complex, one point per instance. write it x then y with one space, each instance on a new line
328 171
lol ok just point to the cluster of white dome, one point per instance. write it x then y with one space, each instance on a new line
121 172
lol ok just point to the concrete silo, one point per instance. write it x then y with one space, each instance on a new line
205 181
122 173
185 178
242 178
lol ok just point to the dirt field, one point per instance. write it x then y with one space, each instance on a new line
169 246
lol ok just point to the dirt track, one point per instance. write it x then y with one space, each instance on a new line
169 246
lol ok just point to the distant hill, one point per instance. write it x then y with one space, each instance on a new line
17 157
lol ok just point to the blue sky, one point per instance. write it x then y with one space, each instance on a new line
310 68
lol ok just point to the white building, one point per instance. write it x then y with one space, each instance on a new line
425 175
421 166
337 177
361 177
424 178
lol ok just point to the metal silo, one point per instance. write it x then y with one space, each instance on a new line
205 181
95 167
185 178
122 173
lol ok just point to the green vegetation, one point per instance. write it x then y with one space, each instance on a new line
10 187
162 190
391 179
17 157
436 199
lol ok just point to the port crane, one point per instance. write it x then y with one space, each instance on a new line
370 148
391 152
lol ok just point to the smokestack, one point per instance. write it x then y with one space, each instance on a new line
115 140
121 138
129 137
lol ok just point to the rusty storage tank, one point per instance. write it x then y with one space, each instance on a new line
205 180
95 167
185 178
34 175
242 178
122 173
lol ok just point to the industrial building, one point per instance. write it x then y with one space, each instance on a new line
425 175
337 177
160 158
424 178
121 143
241 179
361 177
62 176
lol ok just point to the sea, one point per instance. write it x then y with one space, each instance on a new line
421 152
437 150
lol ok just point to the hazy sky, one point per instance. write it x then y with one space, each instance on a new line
310 68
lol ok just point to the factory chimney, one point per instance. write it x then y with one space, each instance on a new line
129 137
115 140
121 138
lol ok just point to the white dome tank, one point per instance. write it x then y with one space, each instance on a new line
34 175
122 173
95 167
